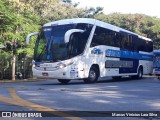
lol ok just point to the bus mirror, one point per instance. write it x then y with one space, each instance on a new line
69 33
29 36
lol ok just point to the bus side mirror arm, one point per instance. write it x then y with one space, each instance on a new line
69 32
29 36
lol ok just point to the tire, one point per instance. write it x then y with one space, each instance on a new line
139 74
117 77
64 81
93 75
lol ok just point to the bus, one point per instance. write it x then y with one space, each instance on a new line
86 49
156 62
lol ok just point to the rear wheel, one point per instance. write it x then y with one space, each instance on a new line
139 74
93 75
64 81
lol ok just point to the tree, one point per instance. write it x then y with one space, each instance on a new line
14 25
4 62
91 12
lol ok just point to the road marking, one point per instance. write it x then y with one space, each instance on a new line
16 100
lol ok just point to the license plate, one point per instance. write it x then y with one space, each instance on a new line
45 74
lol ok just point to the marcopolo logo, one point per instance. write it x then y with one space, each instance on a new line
96 51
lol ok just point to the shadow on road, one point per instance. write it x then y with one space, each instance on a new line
104 80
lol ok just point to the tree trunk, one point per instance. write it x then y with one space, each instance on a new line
13 67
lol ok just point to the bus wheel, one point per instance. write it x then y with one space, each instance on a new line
93 75
63 81
140 73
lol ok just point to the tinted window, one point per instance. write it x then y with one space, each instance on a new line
125 41
98 38
143 45
104 36
149 46
77 43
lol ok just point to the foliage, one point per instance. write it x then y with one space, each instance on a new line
4 62
15 25
91 12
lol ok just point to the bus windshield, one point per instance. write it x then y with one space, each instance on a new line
51 46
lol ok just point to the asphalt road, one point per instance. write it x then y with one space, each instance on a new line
106 95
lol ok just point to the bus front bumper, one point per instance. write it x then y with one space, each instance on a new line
63 73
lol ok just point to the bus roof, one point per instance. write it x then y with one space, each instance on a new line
94 21
71 21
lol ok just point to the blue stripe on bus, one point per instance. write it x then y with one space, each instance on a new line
129 70
127 54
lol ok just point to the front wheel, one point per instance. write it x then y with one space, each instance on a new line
64 81
93 75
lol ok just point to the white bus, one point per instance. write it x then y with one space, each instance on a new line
87 49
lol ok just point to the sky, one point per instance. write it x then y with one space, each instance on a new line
147 7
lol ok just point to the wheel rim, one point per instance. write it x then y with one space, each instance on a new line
140 74
92 75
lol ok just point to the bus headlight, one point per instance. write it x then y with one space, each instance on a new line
62 66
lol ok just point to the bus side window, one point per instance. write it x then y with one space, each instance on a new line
126 42
109 38
98 38
135 43
130 43
149 46
117 39
77 43
141 45
103 36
